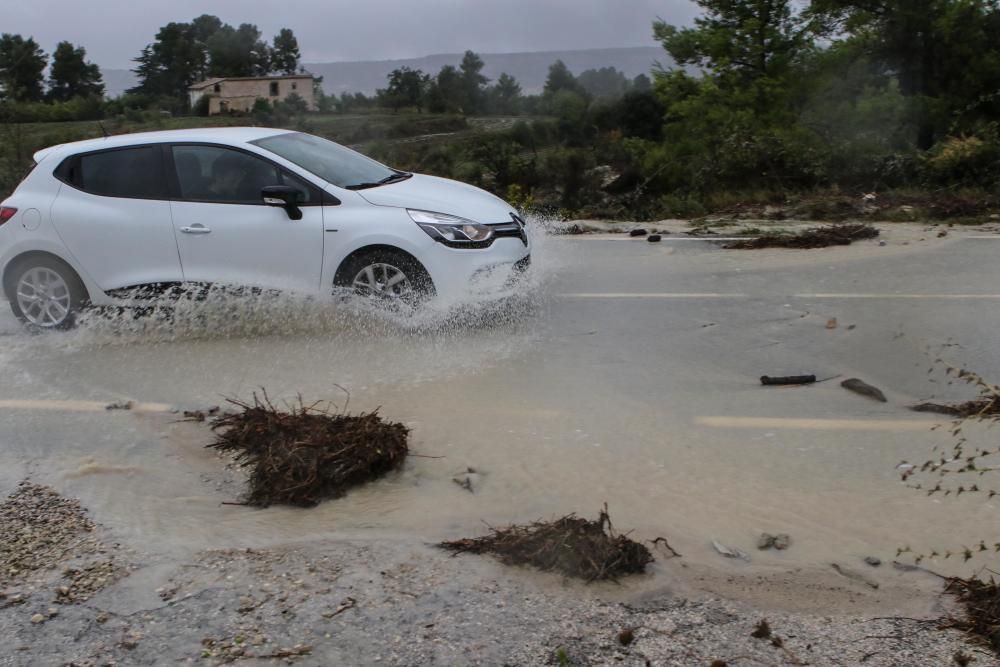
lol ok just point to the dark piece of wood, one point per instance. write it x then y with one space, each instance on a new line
790 379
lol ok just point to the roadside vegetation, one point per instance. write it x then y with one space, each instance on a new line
830 109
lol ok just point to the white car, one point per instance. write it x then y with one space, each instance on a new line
94 220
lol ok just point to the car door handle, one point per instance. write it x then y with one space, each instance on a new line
196 228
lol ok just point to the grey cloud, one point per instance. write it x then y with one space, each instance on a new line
114 31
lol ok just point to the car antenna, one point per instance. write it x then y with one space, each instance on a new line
101 125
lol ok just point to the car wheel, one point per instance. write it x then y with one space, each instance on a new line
45 293
390 278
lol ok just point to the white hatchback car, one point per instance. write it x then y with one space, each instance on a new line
267 208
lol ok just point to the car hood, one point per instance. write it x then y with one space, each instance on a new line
440 195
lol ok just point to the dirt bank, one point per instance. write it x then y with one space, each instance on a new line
406 603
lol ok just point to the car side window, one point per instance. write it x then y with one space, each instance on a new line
222 175
136 173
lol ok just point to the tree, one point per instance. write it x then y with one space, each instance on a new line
406 89
747 39
642 84
606 82
473 82
285 52
238 52
22 62
560 78
175 60
446 93
505 95
72 76
945 53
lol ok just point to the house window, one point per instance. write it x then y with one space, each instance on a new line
295 85
274 89
217 88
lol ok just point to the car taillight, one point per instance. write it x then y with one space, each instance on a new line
6 213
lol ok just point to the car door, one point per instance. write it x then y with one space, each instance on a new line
113 214
225 232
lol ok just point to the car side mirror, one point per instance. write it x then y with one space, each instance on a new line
284 196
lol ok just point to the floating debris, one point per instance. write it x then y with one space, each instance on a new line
787 380
864 389
730 552
305 455
576 547
781 541
818 237
981 601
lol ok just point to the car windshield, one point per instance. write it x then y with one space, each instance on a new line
331 162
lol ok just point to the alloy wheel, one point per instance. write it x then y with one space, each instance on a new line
382 280
44 297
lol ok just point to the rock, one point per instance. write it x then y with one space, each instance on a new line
864 389
120 405
730 552
882 243
637 232
831 323
38 618
626 636
943 233
856 576
873 561
102 617
781 541
654 238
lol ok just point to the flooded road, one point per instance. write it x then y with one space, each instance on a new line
626 373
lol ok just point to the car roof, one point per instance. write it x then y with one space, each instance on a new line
225 135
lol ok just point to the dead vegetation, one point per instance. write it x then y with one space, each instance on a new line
981 603
306 454
589 550
816 237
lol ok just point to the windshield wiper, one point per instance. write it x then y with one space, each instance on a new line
392 178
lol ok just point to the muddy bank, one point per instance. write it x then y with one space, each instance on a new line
405 604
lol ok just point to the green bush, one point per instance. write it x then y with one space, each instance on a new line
969 161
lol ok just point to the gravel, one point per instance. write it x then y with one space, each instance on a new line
386 602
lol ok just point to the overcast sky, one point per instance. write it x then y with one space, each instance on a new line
114 31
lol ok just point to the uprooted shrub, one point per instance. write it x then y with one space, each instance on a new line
981 603
306 454
818 237
576 547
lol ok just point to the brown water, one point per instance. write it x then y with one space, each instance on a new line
561 404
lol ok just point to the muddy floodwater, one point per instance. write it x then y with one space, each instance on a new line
624 373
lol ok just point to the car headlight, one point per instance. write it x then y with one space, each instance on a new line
450 228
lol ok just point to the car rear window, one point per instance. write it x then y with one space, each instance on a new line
136 173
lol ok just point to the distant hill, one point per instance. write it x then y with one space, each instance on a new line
529 68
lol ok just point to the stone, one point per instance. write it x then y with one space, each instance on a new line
873 561
38 618
730 552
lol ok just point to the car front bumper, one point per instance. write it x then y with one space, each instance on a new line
458 274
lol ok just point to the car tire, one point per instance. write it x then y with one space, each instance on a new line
45 293
390 275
